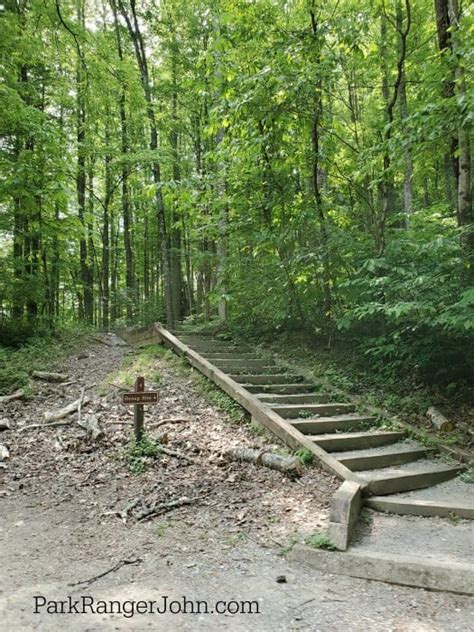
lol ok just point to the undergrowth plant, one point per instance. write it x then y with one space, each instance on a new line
139 454
321 541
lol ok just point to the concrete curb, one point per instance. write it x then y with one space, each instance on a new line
345 509
403 570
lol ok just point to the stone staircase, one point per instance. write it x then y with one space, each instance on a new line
383 461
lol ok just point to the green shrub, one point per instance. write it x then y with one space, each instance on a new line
321 541
12 379
138 453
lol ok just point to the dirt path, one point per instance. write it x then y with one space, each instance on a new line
60 522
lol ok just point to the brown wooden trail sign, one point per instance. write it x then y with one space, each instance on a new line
138 398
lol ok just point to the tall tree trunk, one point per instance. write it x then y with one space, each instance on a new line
315 173
390 103
175 236
86 304
125 199
443 27
464 199
140 53
18 250
106 230
408 159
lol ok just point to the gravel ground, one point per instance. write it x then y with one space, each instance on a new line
64 521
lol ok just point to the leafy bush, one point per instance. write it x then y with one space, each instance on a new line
417 314
12 379
138 453
14 333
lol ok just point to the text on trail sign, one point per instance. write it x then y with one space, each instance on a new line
148 397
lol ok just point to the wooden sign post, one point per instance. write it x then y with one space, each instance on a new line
138 398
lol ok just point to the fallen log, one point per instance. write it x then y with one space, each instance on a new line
4 399
54 415
289 465
438 420
49 376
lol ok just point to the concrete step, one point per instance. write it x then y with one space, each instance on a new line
295 398
355 440
413 507
329 424
403 478
195 338
294 411
216 348
248 370
244 363
279 389
370 460
223 355
213 345
267 378
180 332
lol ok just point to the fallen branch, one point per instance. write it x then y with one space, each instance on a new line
439 420
178 455
162 422
54 424
60 440
115 568
4 399
123 513
67 410
160 508
287 464
121 387
79 406
50 376
117 423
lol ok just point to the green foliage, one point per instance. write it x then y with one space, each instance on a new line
305 456
468 476
321 541
421 311
11 379
140 453
14 333
37 353
278 186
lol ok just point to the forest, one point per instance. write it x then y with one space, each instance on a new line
280 165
